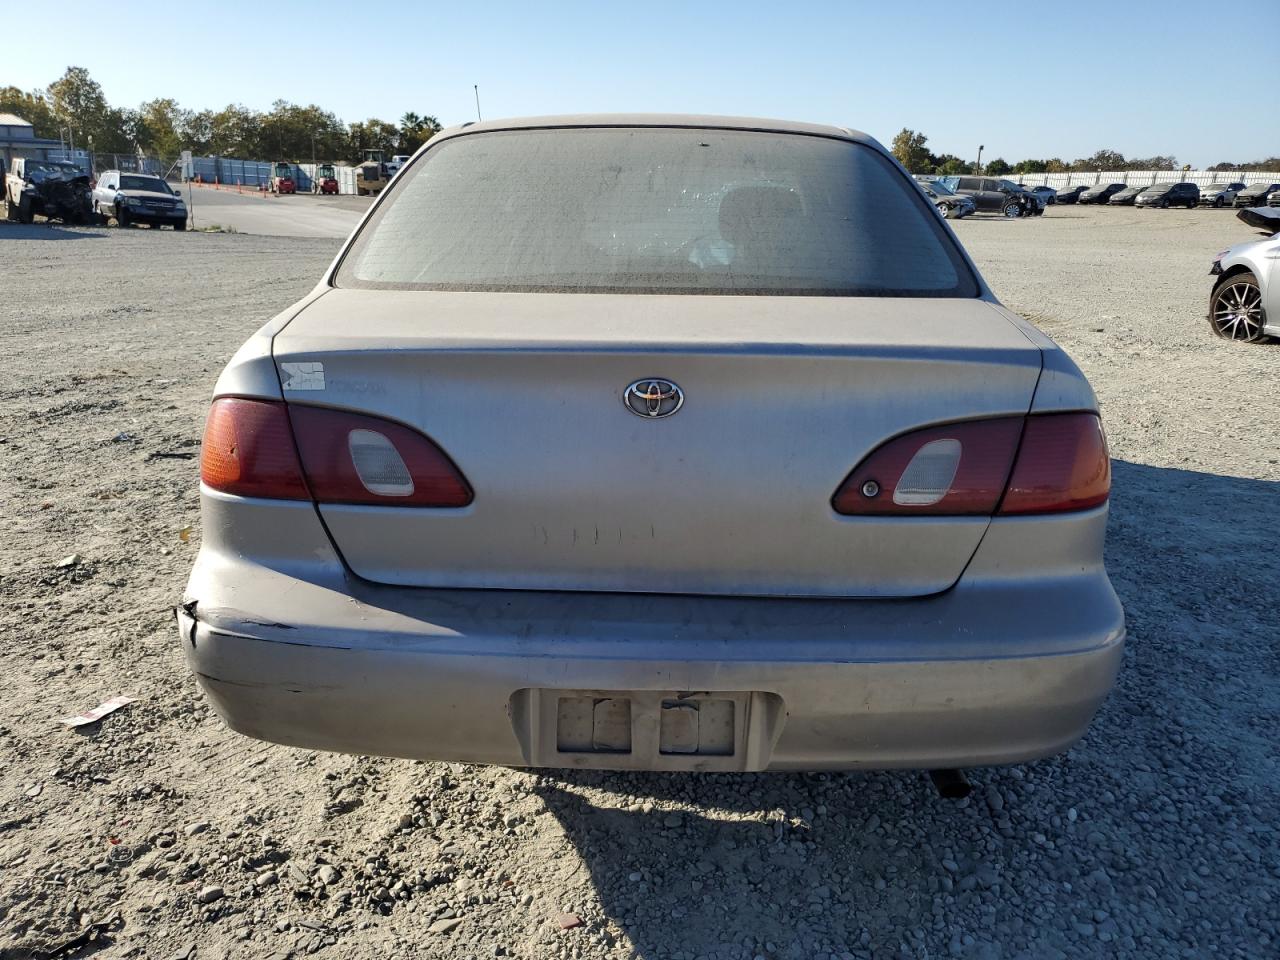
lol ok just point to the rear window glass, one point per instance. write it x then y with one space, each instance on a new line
656 210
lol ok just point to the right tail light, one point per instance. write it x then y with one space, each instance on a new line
1047 463
1062 465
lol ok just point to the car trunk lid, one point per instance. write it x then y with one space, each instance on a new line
730 495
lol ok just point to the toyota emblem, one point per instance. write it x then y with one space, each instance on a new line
653 398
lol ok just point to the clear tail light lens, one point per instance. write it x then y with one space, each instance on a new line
261 448
378 464
1049 463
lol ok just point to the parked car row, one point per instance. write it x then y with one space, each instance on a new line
1234 194
1258 195
987 194
57 190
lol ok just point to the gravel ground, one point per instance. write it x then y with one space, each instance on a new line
157 833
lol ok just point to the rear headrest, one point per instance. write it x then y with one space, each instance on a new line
745 211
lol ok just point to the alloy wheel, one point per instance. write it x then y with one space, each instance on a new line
1237 310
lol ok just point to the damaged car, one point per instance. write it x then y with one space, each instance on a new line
53 189
1244 303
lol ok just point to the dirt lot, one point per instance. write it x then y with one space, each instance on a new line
157 833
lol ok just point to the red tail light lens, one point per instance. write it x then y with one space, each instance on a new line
350 458
260 448
248 450
1062 465
1041 464
956 470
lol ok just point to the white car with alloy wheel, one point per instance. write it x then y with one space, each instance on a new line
1245 302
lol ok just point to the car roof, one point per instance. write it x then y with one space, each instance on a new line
660 120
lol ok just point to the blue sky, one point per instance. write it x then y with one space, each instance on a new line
1058 84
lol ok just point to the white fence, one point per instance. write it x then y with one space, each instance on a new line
1062 181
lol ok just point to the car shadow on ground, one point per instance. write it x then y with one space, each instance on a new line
45 231
1102 846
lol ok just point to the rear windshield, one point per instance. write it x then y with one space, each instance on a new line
656 210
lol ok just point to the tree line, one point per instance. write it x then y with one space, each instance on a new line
911 149
74 104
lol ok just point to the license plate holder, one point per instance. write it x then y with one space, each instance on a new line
647 729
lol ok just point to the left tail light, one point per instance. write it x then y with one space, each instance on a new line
248 450
352 458
259 448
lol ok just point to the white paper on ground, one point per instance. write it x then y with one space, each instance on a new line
98 712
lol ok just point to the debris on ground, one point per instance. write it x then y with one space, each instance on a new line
98 712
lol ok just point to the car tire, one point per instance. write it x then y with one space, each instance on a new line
1011 210
122 216
179 224
1164 204
948 211
1219 202
1235 309
25 214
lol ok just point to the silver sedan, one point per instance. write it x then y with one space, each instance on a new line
1245 301
662 443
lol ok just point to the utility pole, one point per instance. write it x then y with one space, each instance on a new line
977 167
477 89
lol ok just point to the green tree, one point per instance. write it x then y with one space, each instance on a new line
162 126
372 134
415 130
998 167
236 131
909 147
1030 166
948 164
1154 163
197 130
1102 160
32 107
78 103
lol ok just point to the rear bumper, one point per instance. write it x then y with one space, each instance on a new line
999 669
834 713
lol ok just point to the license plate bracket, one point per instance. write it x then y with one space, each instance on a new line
647 729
